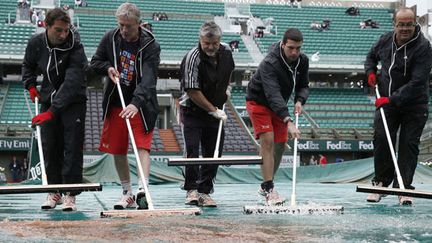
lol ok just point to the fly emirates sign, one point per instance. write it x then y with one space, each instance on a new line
21 144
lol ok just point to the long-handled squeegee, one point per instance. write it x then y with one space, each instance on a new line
151 210
45 187
238 160
401 191
294 208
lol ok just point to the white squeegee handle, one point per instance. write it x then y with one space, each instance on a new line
294 177
135 149
40 150
390 143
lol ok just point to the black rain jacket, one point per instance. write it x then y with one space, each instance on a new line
275 80
144 97
63 68
405 70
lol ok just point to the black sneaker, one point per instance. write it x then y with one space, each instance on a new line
141 200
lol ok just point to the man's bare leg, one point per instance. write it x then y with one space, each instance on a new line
145 162
279 149
122 167
267 150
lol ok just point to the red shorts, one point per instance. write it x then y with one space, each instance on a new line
265 120
115 136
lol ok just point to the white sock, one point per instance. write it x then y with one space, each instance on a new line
127 187
140 184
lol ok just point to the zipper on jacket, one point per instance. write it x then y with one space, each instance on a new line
47 68
294 74
51 50
394 58
391 66
115 66
140 74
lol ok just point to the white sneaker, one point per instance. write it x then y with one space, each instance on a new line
69 203
192 197
52 200
141 199
403 200
262 192
375 197
272 197
127 201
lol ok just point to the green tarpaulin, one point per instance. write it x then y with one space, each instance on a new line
103 170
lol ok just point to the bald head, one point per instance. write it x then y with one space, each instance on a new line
404 25
404 13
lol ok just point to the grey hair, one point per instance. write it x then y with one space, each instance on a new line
128 10
210 30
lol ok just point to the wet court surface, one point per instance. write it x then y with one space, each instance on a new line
23 221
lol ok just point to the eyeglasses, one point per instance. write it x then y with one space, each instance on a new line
408 24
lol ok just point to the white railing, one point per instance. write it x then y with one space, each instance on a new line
45 4
316 3
175 109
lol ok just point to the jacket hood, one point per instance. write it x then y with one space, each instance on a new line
405 69
275 54
275 51
73 39
146 37
145 98
418 39
415 38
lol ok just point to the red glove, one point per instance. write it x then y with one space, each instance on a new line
372 79
381 101
33 94
42 117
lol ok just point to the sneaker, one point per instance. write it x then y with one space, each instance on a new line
141 200
192 197
127 201
69 203
375 197
403 200
272 197
52 200
206 201
262 192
